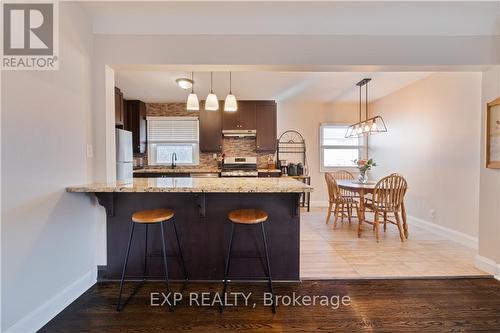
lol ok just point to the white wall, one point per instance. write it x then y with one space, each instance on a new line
48 235
489 213
432 139
306 117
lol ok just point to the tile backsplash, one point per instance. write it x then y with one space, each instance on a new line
230 146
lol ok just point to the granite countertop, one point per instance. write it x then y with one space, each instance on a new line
199 185
178 170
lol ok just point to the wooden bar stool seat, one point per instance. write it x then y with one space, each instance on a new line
153 215
247 216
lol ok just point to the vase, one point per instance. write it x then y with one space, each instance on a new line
363 178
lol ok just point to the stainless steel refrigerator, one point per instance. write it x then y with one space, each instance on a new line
124 156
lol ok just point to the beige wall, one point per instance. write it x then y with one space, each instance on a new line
306 117
489 213
48 235
432 140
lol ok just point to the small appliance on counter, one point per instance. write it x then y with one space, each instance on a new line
300 169
124 159
283 165
138 162
239 167
292 169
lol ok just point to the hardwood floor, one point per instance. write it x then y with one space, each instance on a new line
338 253
439 305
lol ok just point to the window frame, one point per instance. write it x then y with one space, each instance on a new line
361 146
152 145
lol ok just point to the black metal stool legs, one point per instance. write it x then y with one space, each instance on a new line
180 251
165 259
118 306
228 260
268 267
145 272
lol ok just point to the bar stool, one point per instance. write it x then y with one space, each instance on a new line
148 217
248 217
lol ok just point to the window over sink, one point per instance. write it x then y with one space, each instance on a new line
169 135
337 151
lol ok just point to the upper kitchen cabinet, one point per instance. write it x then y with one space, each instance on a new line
241 119
265 115
119 109
210 129
136 123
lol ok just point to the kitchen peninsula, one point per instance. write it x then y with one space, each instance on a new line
201 206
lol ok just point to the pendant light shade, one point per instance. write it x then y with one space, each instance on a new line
369 125
192 101
230 104
212 103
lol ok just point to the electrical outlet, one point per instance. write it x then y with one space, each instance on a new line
90 150
432 214
214 156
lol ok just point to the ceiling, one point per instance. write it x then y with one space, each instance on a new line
415 18
160 86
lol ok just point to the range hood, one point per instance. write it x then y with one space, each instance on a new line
239 133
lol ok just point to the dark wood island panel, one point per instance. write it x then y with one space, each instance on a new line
205 240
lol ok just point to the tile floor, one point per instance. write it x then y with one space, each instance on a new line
339 253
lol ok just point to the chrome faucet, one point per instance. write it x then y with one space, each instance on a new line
174 159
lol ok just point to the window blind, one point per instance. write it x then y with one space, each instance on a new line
172 129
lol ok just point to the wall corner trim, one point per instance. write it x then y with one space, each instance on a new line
36 319
487 265
453 235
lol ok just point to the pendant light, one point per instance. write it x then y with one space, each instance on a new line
192 101
230 104
212 103
367 126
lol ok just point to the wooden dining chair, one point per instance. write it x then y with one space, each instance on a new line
387 199
338 200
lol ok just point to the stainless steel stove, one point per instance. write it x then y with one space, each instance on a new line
240 166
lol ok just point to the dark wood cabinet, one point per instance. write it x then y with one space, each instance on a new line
241 119
269 174
136 123
210 129
265 115
246 109
119 109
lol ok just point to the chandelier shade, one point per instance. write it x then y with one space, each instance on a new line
369 125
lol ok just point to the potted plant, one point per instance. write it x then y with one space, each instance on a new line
364 166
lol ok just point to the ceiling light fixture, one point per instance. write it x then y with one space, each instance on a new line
230 105
192 101
212 103
367 126
184 83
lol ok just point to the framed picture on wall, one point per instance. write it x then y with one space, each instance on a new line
493 134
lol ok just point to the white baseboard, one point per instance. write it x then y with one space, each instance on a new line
459 237
487 265
36 319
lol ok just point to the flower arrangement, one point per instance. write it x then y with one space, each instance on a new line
364 166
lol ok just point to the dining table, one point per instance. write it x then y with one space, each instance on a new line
362 189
